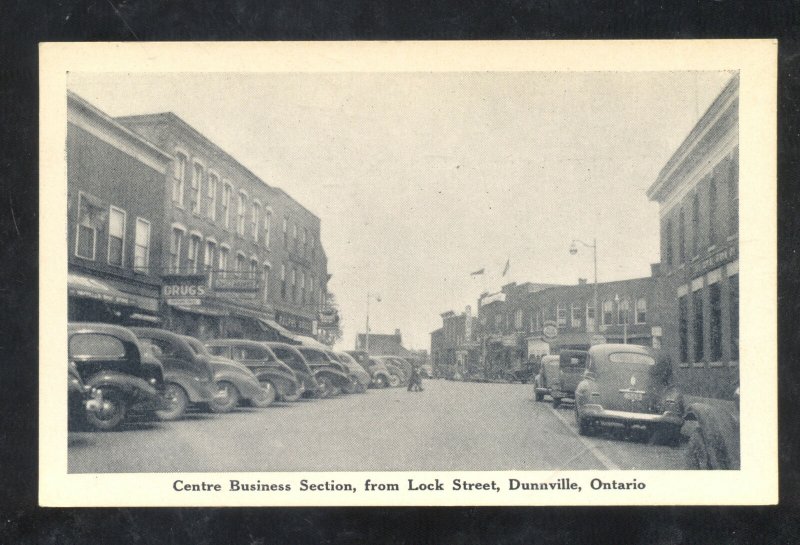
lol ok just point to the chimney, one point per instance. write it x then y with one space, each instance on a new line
581 281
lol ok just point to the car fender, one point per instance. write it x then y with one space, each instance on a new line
582 392
720 430
284 383
198 391
130 385
246 383
337 377
381 374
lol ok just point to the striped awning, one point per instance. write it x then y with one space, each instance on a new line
92 288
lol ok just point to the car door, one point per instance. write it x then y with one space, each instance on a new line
624 381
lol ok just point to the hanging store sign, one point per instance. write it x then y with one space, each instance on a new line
550 331
294 323
328 318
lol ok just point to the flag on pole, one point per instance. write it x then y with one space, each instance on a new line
476 273
508 264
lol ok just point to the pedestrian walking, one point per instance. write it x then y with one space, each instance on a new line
415 380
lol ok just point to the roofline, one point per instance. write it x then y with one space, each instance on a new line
706 120
84 104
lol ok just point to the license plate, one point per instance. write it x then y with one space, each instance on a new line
633 396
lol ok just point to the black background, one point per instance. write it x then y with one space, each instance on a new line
24 24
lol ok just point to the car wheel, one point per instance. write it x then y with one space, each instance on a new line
351 387
584 427
539 396
697 456
556 402
226 398
326 387
382 382
177 402
293 397
111 414
268 397
394 381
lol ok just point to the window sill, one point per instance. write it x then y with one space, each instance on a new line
715 364
699 364
683 365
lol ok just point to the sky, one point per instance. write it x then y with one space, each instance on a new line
420 179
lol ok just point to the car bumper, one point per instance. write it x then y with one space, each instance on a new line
597 412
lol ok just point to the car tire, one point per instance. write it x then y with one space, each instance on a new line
539 396
697 456
268 397
352 386
229 402
326 387
115 407
381 382
178 401
584 428
556 402
293 397
394 381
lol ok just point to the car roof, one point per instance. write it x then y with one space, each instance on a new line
163 334
599 350
107 329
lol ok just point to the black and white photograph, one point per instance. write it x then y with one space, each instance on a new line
406 282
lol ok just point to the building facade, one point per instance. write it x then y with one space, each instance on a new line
116 184
698 194
241 258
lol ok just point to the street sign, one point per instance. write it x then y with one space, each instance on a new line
550 331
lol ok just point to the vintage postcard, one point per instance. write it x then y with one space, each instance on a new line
408 273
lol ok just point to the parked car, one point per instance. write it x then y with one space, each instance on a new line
404 366
713 429
358 375
277 379
108 359
329 372
292 357
188 377
620 388
377 370
233 380
571 365
80 397
396 375
549 369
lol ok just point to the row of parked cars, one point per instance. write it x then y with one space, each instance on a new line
114 370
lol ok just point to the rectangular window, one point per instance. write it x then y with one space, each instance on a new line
733 286
294 236
590 315
715 321
608 312
641 311
141 258
116 236
254 219
267 226
90 217
697 329
623 310
302 287
283 281
253 270
227 191
561 314
193 254
197 183
575 320
211 196
179 180
285 231
265 279
241 214
305 241
240 263
175 250
683 327
208 260
224 252
294 285
518 319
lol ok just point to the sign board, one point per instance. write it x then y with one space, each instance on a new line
185 301
328 318
550 331
598 339
190 286
240 282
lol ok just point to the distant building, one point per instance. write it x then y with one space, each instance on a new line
381 344
698 192
437 353
116 184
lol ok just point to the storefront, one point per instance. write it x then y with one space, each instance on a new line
92 299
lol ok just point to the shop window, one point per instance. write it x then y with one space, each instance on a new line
683 328
641 310
179 180
715 321
227 192
175 250
141 257
116 236
576 315
608 312
561 314
697 329
211 196
733 286
197 183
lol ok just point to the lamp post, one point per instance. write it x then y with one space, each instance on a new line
624 320
573 249
377 300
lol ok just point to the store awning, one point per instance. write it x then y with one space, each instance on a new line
197 309
92 288
275 327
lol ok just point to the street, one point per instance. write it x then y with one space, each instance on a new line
449 426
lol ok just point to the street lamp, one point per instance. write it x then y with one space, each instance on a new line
377 300
573 249
624 320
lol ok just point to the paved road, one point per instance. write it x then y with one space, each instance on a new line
449 426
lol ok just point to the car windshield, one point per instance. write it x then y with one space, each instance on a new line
313 356
632 358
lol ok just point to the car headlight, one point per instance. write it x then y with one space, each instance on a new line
153 381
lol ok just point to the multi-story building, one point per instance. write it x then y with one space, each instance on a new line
243 259
437 353
459 348
698 193
116 184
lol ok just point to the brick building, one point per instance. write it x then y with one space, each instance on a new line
116 184
698 193
241 258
